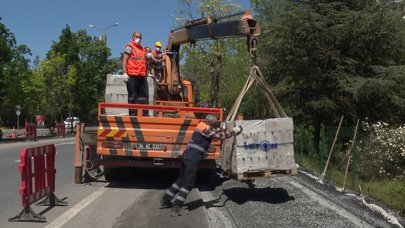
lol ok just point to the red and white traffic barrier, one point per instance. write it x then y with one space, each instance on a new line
37 168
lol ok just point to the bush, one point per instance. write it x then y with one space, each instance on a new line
382 152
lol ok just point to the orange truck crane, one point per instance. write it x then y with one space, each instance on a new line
158 140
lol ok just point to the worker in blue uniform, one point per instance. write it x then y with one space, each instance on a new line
195 152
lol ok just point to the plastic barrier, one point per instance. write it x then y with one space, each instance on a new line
30 131
37 168
60 130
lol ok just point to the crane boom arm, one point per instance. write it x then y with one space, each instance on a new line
210 28
232 26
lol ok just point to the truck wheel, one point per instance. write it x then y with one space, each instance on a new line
110 173
91 162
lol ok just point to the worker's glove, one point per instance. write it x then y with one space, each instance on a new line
125 77
237 130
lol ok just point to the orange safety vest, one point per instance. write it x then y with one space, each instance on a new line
157 54
197 147
136 64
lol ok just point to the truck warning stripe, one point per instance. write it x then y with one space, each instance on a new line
180 138
103 133
112 133
120 122
138 134
104 122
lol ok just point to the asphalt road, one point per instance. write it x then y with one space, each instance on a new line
11 178
132 201
297 201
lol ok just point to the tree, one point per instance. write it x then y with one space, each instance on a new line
76 62
319 55
14 73
59 80
212 52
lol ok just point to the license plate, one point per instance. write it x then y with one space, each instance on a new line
149 146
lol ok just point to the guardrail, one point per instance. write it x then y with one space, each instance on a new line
37 168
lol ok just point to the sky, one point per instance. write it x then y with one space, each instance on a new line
37 23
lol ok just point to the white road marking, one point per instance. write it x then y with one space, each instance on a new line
65 217
17 161
326 203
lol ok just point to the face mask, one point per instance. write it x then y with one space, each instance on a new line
137 40
158 49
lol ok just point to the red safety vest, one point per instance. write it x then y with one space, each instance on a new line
136 64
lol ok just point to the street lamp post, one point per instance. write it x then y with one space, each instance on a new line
103 36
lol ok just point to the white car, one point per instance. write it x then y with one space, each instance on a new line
69 120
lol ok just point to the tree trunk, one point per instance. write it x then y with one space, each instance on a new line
215 74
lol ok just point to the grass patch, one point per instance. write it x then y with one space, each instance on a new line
389 192
310 164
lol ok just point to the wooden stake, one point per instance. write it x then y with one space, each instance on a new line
350 153
347 169
331 150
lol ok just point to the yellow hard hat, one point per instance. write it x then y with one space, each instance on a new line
158 44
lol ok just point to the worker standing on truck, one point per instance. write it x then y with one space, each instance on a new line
152 81
149 60
195 152
158 61
134 72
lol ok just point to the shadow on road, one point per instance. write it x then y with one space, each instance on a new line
269 195
241 195
140 178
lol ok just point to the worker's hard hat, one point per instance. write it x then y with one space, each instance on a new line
212 120
158 44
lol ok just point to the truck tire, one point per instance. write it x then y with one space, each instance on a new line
110 173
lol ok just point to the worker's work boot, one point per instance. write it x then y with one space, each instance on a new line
165 203
176 211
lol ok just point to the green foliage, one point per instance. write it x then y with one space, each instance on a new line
389 192
77 62
34 103
318 56
303 59
382 152
15 75
327 59
382 98
215 54
380 162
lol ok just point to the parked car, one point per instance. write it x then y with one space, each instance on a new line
69 121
